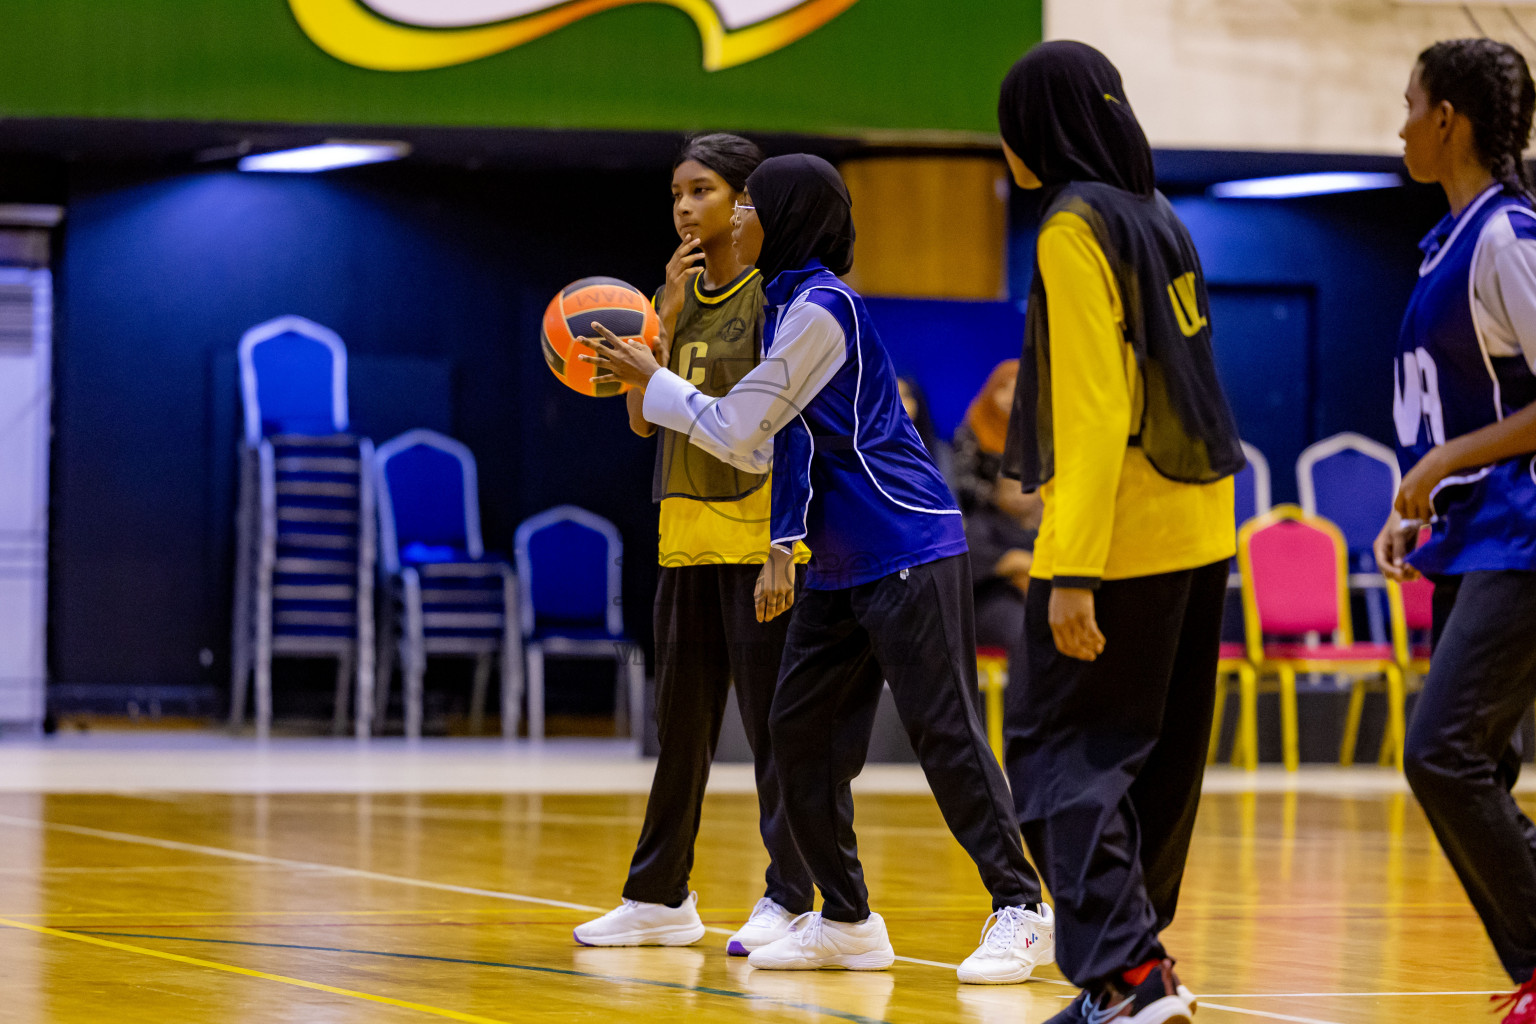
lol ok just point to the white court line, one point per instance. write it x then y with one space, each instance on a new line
1261 1013
1340 995
928 963
303 865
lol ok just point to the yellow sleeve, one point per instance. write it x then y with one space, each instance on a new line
1090 395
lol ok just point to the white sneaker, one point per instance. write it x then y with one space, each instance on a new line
813 944
767 923
1014 941
632 923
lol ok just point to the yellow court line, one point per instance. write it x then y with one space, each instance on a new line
157 914
435 1011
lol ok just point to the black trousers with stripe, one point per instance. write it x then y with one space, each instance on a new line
1106 759
913 630
707 635
1463 757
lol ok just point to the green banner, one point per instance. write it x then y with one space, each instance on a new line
904 67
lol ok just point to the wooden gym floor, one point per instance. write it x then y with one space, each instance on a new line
1321 902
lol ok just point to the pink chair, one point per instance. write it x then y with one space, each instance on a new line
1233 663
1296 618
1411 609
1418 608
1413 616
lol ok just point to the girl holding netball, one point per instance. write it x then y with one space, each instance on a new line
1120 423
887 591
1465 412
718 599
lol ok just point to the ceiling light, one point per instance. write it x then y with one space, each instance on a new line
1290 186
327 156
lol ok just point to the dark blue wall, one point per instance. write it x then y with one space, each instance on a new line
436 281
949 347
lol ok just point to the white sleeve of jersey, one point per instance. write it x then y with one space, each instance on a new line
809 348
1505 289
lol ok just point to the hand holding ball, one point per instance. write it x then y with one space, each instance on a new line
617 305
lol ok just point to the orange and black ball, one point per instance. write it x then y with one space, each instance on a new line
617 305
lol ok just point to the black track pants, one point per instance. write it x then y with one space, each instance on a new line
914 630
1106 759
707 635
1462 758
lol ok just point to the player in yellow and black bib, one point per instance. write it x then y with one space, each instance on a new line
721 596
1120 422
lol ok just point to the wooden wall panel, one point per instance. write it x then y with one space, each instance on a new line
930 226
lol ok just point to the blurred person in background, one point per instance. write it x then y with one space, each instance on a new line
1000 519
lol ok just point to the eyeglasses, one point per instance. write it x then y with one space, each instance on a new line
738 209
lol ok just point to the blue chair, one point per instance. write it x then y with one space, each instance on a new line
305 547
293 379
568 570
1352 481
446 596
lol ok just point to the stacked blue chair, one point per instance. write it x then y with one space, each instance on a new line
305 545
568 570
1352 481
446 597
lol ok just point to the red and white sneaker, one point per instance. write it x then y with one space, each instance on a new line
1521 1004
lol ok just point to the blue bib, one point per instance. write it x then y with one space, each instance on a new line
850 474
1446 384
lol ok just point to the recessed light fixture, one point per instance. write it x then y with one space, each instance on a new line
327 156
1292 186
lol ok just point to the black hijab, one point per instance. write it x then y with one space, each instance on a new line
805 212
1063 111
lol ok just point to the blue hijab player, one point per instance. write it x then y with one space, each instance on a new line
887 594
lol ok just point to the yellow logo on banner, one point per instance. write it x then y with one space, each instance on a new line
417 35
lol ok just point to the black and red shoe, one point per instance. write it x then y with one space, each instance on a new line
1158 999
1075 1011
1521 1004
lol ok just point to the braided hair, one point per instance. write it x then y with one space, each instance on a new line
1490 83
